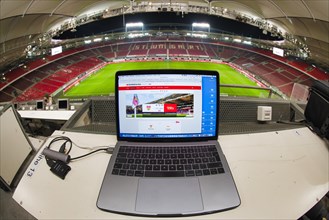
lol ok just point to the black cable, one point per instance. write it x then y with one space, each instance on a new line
303 122
58 163
63 146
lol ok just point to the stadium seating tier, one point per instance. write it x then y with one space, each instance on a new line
48 74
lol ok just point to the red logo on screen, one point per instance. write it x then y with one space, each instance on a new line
170 108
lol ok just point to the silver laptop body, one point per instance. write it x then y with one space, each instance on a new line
167 161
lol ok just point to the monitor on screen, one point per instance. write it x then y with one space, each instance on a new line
39 105
63 104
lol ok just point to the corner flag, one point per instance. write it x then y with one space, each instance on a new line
135 100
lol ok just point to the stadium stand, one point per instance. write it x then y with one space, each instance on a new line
54 81
8 93
122 54
4 97
9 90
106 51
36 63
318 74
22 84
12 75
30 94
68 61
61 55
57 70
193 39
287 88
46 88
143 38
177 49
276 79
211 51
138 49
36 75
226 53
158 38
195 49
158 49
50 68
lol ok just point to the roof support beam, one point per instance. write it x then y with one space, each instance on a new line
273 3
309 10
60 4
28 7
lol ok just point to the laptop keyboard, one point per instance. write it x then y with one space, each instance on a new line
167 161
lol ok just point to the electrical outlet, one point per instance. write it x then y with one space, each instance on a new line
264 113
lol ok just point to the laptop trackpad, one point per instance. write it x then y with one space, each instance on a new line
168 195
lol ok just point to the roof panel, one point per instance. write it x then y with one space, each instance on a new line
309 17
102 5
80 7
11 8
265 8
42 6
36 22
232 5
308 28
291 8
319 8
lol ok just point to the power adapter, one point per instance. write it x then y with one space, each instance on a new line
60 169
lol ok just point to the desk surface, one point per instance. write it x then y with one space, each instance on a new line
49 114
279 175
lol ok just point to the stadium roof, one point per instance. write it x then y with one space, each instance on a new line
24 21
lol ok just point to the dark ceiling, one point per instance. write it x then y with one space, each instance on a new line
163 20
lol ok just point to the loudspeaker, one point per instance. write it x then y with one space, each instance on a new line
317 109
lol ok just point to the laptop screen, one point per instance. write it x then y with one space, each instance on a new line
167 104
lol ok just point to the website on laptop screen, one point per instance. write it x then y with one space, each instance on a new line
167 105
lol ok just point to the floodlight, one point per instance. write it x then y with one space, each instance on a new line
201 25
199 35
137 24
97 39
131 35
247 42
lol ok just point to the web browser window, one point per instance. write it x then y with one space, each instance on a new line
167 105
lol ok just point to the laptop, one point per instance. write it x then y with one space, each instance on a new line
167 161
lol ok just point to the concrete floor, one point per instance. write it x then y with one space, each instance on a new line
10 210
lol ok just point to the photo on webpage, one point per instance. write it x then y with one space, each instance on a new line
157 105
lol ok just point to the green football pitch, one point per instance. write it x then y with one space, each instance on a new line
101 83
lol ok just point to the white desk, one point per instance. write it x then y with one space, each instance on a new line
279 175
50 114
